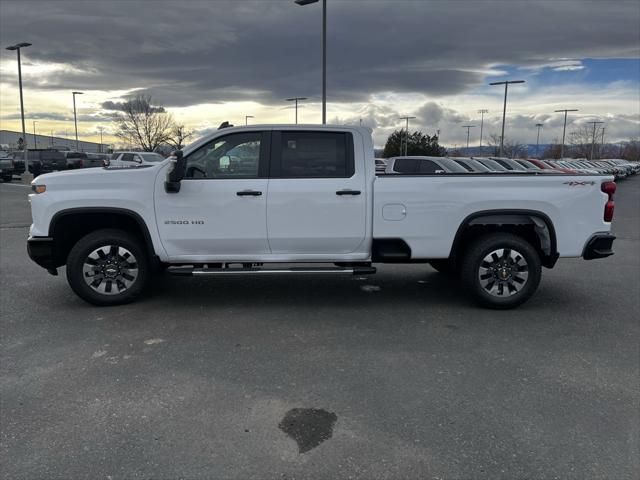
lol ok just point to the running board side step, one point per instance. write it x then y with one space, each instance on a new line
191 271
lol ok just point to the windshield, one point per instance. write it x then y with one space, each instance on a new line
452 166
528 165
493 165
151 157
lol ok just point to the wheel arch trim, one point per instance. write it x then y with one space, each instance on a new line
108 210
543 226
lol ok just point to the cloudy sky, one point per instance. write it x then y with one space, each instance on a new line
217 60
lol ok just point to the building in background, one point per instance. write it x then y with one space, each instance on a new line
10 138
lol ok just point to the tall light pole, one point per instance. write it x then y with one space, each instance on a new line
593 140
101 129
406 143
482 112
539 126
324 54
296 99
504 110
75 117
468 127
35 138
564 129
246 119
25 154
601 143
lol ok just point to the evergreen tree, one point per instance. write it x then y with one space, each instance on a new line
419 144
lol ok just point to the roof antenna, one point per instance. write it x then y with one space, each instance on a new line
224 125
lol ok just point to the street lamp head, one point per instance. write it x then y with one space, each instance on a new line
19 45
77 93
295 98
305 2
539 124
567 110
507 82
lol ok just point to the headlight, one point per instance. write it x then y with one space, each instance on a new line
38 188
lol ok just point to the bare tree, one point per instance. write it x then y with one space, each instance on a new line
179 136
143 124
553 150
512 149
632 150
581 140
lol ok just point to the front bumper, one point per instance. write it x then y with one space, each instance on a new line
599 246
40 250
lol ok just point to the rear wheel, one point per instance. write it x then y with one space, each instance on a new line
501 270
107 267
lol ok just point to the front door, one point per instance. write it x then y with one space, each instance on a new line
317 198
220 210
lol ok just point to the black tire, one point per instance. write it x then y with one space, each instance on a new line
445 266
125 269
506 282
7 179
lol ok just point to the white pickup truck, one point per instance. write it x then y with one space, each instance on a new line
248 200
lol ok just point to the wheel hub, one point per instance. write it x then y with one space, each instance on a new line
110 269
503 272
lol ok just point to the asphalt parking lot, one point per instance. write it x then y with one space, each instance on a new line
396 375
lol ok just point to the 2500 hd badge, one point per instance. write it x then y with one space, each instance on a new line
184 222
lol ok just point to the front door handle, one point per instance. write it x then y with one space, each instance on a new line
248 193
348 192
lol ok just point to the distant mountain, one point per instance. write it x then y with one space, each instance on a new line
490 151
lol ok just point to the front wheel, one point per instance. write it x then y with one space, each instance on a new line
501 270
107 267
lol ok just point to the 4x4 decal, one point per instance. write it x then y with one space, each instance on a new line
581 184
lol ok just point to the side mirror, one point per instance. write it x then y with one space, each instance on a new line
176 172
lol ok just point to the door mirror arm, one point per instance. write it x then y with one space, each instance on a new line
176 172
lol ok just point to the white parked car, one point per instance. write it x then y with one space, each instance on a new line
422 165
246 200
134 159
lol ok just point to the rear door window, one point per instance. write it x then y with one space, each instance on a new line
300 154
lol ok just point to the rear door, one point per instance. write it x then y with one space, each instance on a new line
317 199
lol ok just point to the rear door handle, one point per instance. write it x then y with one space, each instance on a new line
348 192
248 193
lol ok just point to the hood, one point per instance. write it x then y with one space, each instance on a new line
98 177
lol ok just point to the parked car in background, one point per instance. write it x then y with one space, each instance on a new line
51 161
527 164
40 161
75 160
509 164
18 162
471 165
134 159
545 166
381 165
491 164
420 164
6 167
96 160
